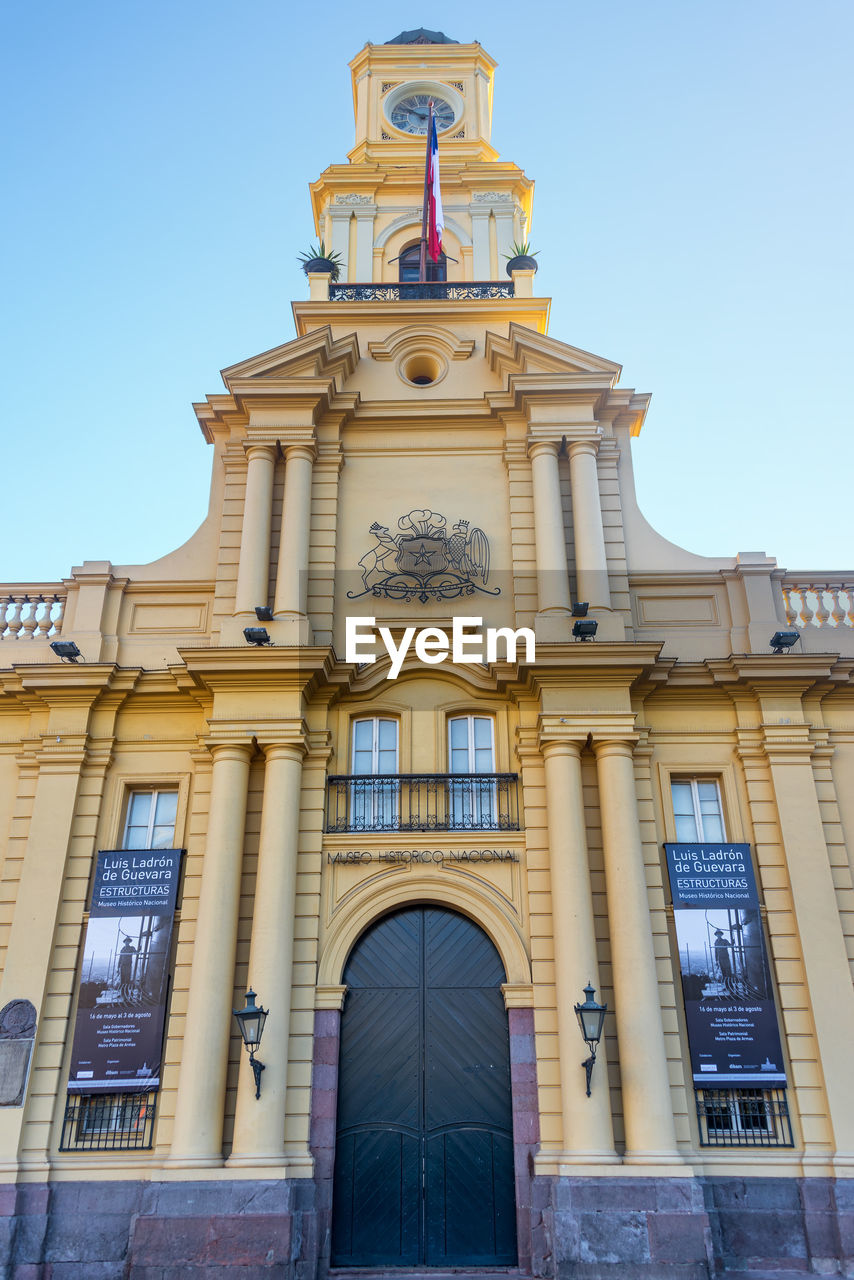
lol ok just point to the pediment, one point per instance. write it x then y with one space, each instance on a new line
525 352
316 355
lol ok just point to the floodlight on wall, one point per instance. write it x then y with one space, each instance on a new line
579 609
66 649
257 635
263 613
591 1019
251 1019
585 629
783 640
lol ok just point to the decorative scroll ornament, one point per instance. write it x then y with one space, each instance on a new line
422 562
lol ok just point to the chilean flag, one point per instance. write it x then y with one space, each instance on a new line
435 216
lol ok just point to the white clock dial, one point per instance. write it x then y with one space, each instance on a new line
412 113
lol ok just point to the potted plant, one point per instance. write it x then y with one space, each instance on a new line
521 258
318 258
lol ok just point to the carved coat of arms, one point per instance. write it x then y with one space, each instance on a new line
423 562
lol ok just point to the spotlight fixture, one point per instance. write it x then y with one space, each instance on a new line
579 609
251 1019
783 640
591 1019
263 613
66 649
585 629
257 635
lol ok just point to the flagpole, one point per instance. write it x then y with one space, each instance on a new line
422 266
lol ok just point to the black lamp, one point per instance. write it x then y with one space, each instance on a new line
591 1018
579 609
251 1019
66 649
585 628
257 635
263 613
783 640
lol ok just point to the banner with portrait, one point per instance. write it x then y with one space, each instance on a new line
121 1011
733 1034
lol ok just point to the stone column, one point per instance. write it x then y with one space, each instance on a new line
591 562
587 1133
292 576
259 1125
197 1135
647 1106
553 612
253 570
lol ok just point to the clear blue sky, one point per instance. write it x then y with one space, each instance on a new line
692 212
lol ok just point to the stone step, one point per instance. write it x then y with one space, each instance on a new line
426 1273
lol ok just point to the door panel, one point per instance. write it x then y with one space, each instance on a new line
424 1150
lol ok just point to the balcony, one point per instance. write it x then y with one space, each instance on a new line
435 291
423 802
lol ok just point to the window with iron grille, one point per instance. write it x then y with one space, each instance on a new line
744 1118
108 1122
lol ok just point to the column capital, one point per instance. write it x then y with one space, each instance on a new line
537 447
556 742
622 745
590 444
230 750
266 449
290 748
306 449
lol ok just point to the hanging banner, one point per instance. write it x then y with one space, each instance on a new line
118 1036
733 1036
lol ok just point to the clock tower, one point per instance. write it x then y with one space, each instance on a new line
369 210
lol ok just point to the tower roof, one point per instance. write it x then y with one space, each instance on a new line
420 35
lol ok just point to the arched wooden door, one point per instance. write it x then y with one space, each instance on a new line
424 1144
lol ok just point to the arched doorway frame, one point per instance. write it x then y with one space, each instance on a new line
366 906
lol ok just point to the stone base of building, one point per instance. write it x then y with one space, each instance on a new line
159 1230
583 1228
693 1228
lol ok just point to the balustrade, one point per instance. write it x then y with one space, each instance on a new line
819 605
444 290
423 802
31 615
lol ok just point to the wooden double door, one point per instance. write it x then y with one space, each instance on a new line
424 1146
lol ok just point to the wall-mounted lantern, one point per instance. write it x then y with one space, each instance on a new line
251 1019
591 1019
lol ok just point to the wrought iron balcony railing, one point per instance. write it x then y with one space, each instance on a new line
405 291
423 802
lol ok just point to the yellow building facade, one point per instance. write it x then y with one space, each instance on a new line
417 859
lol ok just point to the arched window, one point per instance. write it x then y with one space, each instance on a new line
409 265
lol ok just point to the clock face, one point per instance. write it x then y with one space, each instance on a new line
410 114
